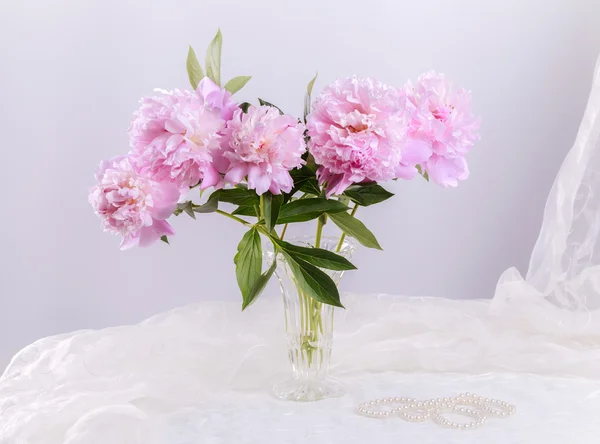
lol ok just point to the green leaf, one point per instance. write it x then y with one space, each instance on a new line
211 205
237 83
355 228
164 238
245 210
239 196
271 207
310 85
305 180
194 69
186 207
244 107
344 199
367 194
316 256
312 281
248 261
310 162
265 103
425 174
213 58
307 209
307 99
259 285
190 208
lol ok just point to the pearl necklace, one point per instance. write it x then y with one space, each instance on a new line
476 407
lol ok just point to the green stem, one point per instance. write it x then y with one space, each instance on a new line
264 231
262 206
283 231
231 216
301 300
343 236
319 232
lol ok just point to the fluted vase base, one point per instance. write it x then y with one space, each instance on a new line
307 390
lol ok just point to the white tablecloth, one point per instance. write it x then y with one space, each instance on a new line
203 374
550 410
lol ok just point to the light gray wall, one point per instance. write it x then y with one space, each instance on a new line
71 74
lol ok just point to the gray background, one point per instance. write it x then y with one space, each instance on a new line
72 72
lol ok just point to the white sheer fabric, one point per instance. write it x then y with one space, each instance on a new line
564 270
565 262
203 373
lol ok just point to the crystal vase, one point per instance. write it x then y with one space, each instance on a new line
309 330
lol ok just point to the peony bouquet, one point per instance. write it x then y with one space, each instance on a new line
277 169
272 169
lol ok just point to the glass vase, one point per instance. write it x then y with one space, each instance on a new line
309 330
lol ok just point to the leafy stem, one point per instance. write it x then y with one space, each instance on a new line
264 231
231 216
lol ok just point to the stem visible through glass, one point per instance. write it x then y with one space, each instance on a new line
311 322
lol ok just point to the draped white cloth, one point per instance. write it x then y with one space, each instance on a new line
565 264
203 373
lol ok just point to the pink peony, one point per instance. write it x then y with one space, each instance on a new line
264 146
356 128
175 136
441 120
132 205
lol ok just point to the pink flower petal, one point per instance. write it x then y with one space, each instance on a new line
336 183
236 174
149 235
206 87
217 98
212 178
447 172
130 241
406 171
173 126
258 180
165 197
416 151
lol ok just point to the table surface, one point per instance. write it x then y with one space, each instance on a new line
202 374
549 410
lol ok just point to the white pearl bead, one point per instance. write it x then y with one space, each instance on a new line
416 411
